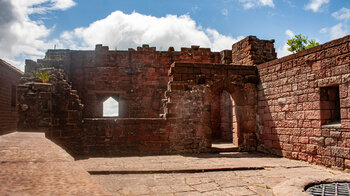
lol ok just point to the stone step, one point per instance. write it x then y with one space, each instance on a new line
223 147
218 150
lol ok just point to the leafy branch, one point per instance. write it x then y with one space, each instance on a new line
300 42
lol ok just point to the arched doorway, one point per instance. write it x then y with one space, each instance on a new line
223 119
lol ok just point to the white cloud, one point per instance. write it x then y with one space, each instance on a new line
316 5
290 33
43 6
324 30
337 31
122 31
290 3
21 37
220 42
248 4
342 14
224 12
63 4
194 9
267 3
283 51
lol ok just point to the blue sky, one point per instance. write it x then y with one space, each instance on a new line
28 28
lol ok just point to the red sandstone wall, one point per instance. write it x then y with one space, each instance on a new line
187 128
192 97
137 78
290 105
252 51
9 78
126 136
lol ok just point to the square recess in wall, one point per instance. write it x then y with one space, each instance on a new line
330 105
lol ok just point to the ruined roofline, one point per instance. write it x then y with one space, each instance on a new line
253 37
253 51
11 67
248 51
144 47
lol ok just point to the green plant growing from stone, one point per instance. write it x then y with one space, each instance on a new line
43 76
300 42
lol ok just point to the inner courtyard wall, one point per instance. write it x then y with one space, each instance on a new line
185 126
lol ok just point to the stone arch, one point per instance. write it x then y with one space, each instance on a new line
223 118
241 95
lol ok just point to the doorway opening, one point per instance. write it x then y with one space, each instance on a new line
224 123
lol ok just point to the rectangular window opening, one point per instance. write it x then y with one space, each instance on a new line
330 105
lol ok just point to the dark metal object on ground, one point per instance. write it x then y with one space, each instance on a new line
330 189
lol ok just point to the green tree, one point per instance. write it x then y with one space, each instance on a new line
300 42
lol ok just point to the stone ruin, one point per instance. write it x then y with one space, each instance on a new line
182 101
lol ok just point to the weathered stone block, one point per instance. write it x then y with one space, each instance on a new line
347 163
317 140
311 149
330 141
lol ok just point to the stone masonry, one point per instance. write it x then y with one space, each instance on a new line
297 102
9 79
183 101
